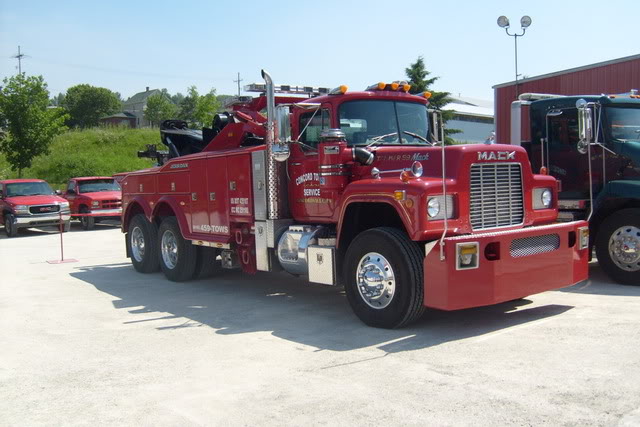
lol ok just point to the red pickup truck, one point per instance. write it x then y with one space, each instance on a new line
26 203
94 198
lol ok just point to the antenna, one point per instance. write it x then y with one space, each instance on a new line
19 57
238 81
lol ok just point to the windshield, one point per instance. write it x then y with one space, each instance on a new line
97 185
625 122
29 189
384 122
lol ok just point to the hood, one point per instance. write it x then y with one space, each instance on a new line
630 149
103 195
456 156
35 200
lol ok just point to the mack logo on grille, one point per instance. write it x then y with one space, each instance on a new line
496 155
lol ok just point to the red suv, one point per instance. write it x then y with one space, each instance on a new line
28 203
94 198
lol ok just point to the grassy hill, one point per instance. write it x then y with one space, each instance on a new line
98 151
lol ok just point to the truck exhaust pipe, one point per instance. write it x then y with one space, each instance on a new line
276 152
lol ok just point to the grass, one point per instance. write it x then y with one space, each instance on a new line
97 151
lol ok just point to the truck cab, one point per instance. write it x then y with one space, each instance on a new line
93 199
600 178
26 203
354 189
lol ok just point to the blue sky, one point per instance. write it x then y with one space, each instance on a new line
128 45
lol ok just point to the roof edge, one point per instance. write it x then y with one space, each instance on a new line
569 70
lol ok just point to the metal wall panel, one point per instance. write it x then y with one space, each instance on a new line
617 77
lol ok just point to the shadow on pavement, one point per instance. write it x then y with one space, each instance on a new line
289 308
600 284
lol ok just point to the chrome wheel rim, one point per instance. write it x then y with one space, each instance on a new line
137 244
624 248
375 280
169 249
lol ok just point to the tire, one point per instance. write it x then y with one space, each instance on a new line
388 251
66 227
9 227
177 256
88 222
207 264
142 244
618 246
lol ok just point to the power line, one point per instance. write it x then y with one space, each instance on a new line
238 81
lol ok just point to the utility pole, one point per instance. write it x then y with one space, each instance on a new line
238 81
19 57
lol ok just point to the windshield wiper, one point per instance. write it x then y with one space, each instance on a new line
415 135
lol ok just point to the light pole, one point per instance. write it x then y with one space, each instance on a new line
525 21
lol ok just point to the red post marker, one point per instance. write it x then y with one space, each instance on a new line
61 260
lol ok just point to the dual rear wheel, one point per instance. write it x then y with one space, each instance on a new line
154 248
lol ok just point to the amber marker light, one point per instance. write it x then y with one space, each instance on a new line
381 86
544 170
394 86
399 194
426 94
406 87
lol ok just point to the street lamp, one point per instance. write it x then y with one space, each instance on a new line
525 21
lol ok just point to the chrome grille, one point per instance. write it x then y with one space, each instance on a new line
111 204
42 209
496 195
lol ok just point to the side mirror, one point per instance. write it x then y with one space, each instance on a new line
585 126
59 192
437 128
280 150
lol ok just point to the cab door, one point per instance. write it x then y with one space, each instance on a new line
305 194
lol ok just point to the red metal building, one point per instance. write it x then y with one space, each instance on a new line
615 76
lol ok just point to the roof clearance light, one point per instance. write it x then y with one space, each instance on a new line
406 87
426 94
340 90
394 86
377 86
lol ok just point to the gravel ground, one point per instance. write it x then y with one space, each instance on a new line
93 342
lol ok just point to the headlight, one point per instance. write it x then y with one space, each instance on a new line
546 198
95 204
22 209
542 198
433 207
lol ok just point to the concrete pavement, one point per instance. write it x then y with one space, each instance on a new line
94 342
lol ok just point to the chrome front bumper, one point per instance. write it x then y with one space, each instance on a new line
102 212
41 220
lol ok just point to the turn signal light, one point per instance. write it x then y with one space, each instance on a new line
467 256
399 194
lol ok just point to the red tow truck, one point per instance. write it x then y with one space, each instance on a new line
354 189
26 203
94 198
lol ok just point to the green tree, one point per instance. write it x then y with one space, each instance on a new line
86 104
188 105
57 100
31 125
159 108
207 106
417 74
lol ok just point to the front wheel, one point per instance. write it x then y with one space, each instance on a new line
383 278
88 222
177 255
618 246
9 227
